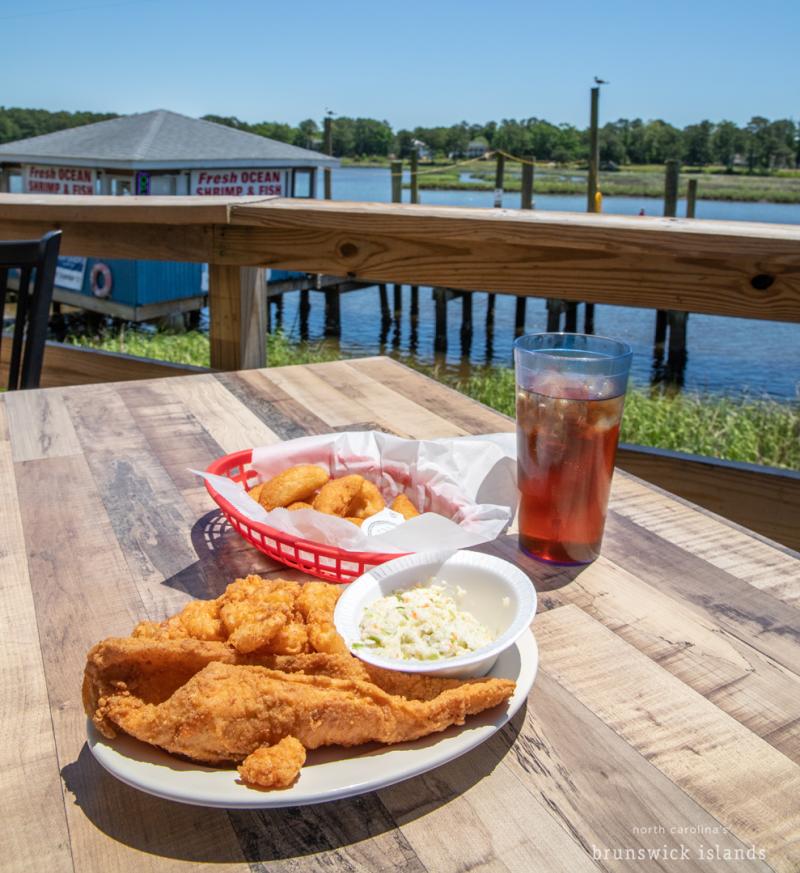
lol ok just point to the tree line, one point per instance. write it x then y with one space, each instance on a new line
760 145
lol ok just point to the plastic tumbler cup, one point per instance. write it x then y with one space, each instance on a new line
570 394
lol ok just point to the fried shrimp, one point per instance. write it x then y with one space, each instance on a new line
295 484
335 496
404 506
367 502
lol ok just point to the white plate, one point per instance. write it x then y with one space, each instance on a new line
328 774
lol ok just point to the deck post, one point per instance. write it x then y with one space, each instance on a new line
237 299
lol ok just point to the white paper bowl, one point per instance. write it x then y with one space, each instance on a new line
498 594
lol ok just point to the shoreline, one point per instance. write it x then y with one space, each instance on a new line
568 189
635 182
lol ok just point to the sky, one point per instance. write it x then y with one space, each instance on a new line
411 63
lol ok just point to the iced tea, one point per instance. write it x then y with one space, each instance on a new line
565 459
570 394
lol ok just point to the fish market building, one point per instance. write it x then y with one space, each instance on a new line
152 153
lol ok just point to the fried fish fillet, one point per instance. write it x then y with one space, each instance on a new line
153 670
228 712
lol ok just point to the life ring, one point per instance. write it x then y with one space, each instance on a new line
104 289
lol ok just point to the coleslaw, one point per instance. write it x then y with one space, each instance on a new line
421 623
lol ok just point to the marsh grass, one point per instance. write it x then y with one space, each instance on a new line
628 182
755 430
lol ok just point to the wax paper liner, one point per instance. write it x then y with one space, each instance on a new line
464 486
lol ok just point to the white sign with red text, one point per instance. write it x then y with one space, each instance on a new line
239 183
59 180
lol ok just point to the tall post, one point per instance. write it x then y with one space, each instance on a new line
526 190
594 151
499 173
305 311
525 202
327 125
671 176
440 330
333 317
691 198
414 159
397 197
396 169
414 312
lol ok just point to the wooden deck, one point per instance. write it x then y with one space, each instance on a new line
666 713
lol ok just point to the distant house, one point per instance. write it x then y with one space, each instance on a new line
423 150
477 148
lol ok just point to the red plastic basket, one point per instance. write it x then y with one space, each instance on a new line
325 562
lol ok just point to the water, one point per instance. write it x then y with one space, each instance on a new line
725 355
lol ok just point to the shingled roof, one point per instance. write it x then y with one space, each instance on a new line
158 140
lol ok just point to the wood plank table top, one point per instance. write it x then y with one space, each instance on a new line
662 733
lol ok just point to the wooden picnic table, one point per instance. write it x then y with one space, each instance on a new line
665 717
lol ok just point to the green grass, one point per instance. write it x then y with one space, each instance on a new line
758 431
782 187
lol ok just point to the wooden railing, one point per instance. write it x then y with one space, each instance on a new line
719 268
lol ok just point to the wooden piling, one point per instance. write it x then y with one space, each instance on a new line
396 169
440 334
398 302
588 317
327 126
525 202
466 311
384 298
397 197
593 176
671 177
554 308
571 317
414 180
691 198
414 303
499 173
526 190
333 314
305 309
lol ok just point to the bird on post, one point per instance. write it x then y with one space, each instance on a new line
601 81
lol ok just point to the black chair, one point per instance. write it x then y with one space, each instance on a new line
36 259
